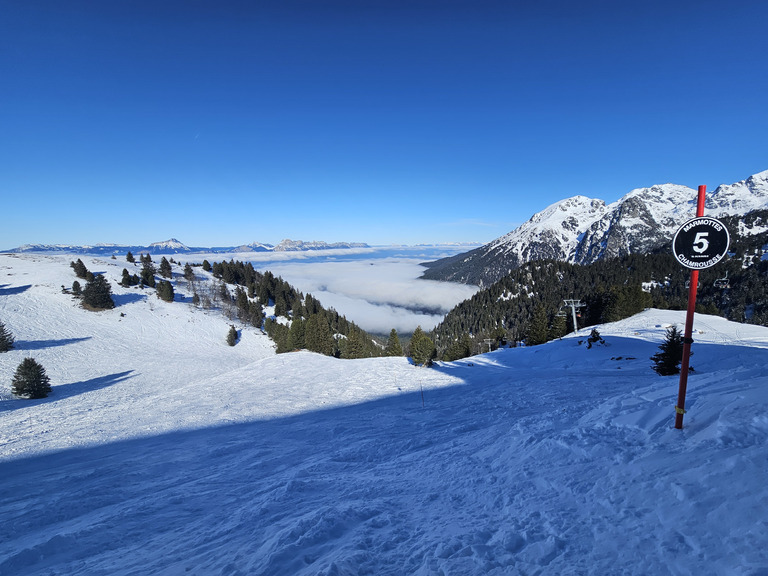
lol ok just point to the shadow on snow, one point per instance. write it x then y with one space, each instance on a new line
40 344
4 291
61 391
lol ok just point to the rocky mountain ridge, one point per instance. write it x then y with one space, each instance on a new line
582 230
174 246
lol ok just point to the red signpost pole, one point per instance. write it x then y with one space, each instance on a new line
687 336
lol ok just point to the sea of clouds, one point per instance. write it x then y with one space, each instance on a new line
378 288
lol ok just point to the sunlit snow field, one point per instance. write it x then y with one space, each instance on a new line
164 451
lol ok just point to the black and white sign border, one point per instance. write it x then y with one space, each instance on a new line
701 240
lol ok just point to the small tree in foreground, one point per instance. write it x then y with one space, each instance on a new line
30 380
667 362
6 338
232 336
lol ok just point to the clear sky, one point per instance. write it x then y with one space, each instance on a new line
225 122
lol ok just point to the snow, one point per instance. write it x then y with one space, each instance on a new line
171 244
560 229
164 451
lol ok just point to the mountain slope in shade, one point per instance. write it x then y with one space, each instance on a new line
581 230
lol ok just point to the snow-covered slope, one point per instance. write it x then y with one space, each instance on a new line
582 230
164 451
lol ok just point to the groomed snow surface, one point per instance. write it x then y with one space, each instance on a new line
164 451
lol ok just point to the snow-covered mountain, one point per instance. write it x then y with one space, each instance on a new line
582 230
288 245
173 246
162 450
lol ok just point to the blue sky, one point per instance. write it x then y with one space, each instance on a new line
383 122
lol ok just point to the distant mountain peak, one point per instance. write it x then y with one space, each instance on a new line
582 230
172 244
289 245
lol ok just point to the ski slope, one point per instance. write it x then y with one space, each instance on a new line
164 451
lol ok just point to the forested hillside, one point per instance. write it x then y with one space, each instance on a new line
305 323
527 304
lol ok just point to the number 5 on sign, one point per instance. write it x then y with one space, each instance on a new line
700 243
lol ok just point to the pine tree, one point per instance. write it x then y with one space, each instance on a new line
147 272
537 331
165 291
232 336
189 274
206 266
297 333
80 270
393 348
667 362
166 270
97 294
422 349
6 338
31 380
356 345
129 257
559 327
461 348
317 337
77 289
255 314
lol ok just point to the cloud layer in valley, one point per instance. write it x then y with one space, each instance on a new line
376 293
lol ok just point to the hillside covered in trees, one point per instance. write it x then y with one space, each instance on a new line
527 304
299 321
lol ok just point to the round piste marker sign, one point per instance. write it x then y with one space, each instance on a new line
701 243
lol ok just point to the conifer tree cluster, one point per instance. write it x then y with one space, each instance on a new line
309 326
524 305
129 279
147 271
